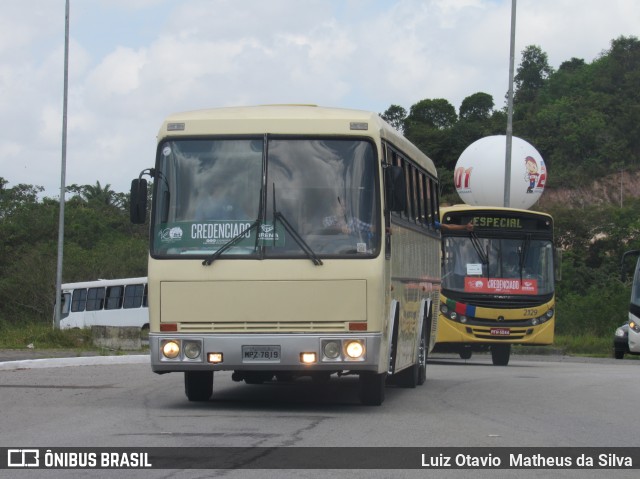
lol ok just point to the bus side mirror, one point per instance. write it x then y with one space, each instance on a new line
395 189
558 263
138 201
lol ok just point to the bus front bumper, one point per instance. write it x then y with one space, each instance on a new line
264 352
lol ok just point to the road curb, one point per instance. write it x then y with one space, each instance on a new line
77 361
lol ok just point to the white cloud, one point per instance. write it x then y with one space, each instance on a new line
134 61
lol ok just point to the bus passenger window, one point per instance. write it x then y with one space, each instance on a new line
79 300
133 295
114 297
95 299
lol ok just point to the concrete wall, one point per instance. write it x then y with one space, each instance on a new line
118 338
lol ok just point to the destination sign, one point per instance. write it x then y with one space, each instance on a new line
500 285
213 234
495 221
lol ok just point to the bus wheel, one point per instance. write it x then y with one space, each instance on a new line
372 388
423 352
465 353
500 354
416 374
198 385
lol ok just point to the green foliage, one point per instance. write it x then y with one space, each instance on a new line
584 118
395 115
100 242
39 335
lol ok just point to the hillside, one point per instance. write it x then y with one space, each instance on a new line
611 189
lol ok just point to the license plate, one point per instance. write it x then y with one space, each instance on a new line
500 332
261 354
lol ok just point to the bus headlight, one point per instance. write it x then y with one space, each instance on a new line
444 309
535 321
192 349
463 318
331 349
634 325
454 315
549 314
170 349
354 349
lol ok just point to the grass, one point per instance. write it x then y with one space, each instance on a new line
42 336
583 345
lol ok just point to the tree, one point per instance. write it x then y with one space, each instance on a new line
531 75
477 107
438 114
100 195
395 116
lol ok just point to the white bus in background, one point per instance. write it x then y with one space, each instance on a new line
105 302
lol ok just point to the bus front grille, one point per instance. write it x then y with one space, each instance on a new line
257 327
485 333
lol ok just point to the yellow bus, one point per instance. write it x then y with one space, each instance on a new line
287 241
498 280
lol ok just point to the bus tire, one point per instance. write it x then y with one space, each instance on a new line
423 352
372 388
500 354
416 374
198 385
465 353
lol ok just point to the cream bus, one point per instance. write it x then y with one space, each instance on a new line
290 241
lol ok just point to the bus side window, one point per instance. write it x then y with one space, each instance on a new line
66 304
95 299
133 295
79 300
114 297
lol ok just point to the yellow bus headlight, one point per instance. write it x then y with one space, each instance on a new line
171 349
354 349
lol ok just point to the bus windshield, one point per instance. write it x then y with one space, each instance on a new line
211 191
513 266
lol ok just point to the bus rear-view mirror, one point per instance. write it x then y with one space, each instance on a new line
138 204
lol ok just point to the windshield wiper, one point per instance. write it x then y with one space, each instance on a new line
232 242
484 256
524 250
277 215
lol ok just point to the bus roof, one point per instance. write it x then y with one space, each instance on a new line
498 209
290 119
104 282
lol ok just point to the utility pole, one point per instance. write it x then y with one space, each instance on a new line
507 160
63 171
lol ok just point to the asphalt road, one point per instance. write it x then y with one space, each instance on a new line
117 402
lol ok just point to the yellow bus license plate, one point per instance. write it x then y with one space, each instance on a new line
500 332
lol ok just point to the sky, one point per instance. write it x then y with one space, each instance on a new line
133 62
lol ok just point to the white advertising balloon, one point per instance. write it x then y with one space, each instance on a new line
479 173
